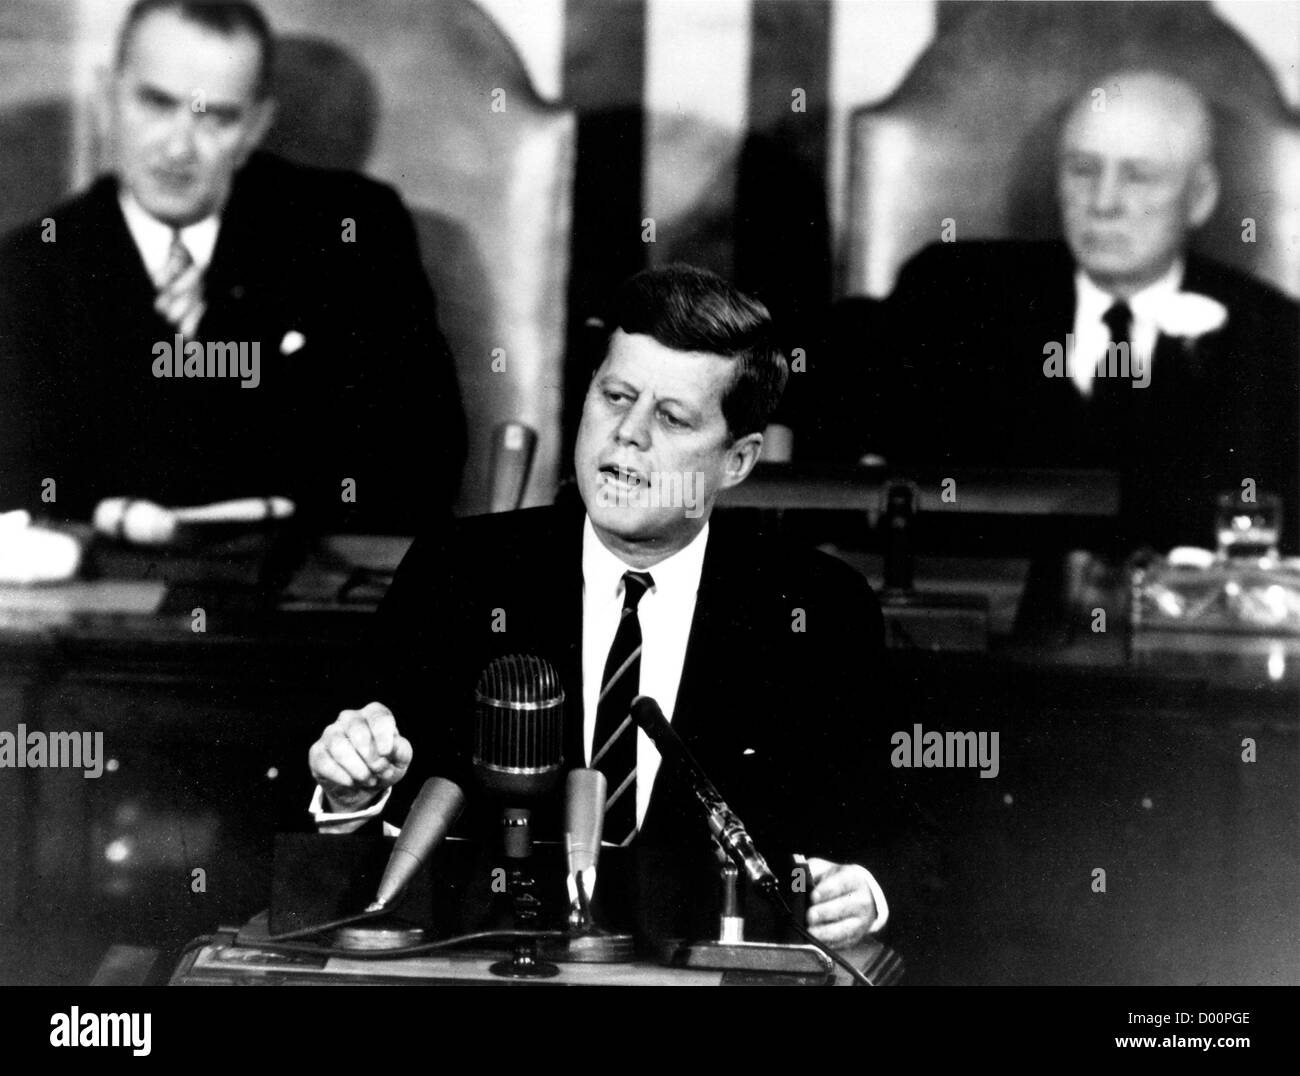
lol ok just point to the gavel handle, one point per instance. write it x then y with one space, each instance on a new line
243 510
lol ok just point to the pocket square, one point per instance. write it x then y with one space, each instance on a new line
293 341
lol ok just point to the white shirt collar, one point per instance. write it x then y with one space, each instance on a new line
1091 336
1094 301
602 571
153 238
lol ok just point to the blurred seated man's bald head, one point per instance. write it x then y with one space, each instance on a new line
1135 176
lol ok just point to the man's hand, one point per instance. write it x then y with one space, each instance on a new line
358 756
841 905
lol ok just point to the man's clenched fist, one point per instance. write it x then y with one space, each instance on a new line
358 756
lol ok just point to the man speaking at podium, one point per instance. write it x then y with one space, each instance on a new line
766 660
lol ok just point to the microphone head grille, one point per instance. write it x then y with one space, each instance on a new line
519 726
518 679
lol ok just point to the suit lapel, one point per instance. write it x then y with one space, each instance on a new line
113 297
1057 313
716 607
1198 357
1183 371
721 617
566 592
1050 414
115 260
240 282
1059 305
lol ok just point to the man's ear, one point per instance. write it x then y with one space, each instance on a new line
263 116
102 113
741 457
1204 194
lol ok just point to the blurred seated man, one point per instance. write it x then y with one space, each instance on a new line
1117 348
209 322
766 659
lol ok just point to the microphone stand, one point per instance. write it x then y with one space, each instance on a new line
731 924
526 961
587 942
730 951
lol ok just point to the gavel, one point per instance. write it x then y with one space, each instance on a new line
146 523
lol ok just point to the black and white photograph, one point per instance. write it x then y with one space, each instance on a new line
650 493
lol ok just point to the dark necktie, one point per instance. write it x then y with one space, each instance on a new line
1112 395
614 743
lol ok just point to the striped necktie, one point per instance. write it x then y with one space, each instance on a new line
180 288
614 744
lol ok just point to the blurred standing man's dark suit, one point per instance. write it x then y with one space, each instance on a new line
197 236
1212 394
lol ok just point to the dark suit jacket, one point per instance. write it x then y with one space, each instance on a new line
958 378
792 726
370 396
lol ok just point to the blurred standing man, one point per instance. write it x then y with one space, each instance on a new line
212 322
1006 346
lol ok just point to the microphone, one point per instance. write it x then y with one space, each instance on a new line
723 822
518 757
519 727
584 822
433 813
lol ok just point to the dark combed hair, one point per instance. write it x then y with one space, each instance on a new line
690 309
225 17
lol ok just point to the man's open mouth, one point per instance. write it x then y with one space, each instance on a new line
630 478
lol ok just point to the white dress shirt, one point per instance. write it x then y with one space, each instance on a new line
1092 335
665 612
153 238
